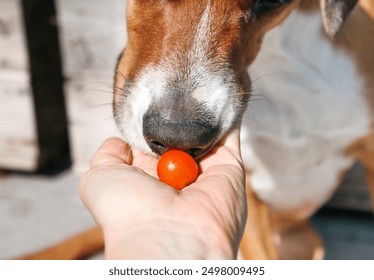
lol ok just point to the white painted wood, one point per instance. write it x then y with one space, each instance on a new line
93 33
18 148
90 118
12 54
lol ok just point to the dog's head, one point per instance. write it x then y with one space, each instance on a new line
182 80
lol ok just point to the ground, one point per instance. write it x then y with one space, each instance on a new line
36 211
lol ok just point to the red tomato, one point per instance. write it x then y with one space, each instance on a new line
177 169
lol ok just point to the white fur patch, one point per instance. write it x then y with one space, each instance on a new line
149 85
308 106
216 96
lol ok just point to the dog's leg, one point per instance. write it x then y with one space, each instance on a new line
367 160
80 246
363 150
370 178
297 240
258 238
272 234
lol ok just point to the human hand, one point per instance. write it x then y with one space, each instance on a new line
143 218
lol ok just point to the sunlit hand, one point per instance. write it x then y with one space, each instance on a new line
143 218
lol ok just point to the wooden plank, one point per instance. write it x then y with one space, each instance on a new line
47 83
18 149
93 35
90 117
18 139
353 193
346 235
13 53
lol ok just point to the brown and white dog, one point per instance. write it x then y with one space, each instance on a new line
182 82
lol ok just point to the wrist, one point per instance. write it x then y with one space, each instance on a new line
154 241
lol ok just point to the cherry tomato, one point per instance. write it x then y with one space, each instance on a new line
177 169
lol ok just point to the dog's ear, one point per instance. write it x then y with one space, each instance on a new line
334 13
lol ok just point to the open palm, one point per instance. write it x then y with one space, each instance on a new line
144 218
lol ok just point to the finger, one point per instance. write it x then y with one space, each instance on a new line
226 153
224 190
217 177
113 151
145 162
223 170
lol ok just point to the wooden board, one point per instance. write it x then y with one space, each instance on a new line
347 235
18 139
93 34
33 123
43 48
353 193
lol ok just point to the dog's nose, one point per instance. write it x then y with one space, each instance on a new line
192 136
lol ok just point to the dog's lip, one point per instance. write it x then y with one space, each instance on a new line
198 156
206 152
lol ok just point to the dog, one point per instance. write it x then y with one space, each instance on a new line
182 82
316 119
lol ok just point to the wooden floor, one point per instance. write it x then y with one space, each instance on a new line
347 224
348 235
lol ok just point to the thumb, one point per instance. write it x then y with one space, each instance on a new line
112 152
232 141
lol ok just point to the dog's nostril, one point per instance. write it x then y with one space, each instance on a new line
158 144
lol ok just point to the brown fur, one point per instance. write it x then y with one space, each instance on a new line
358 39
363 150
258 238
232 39
77 247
